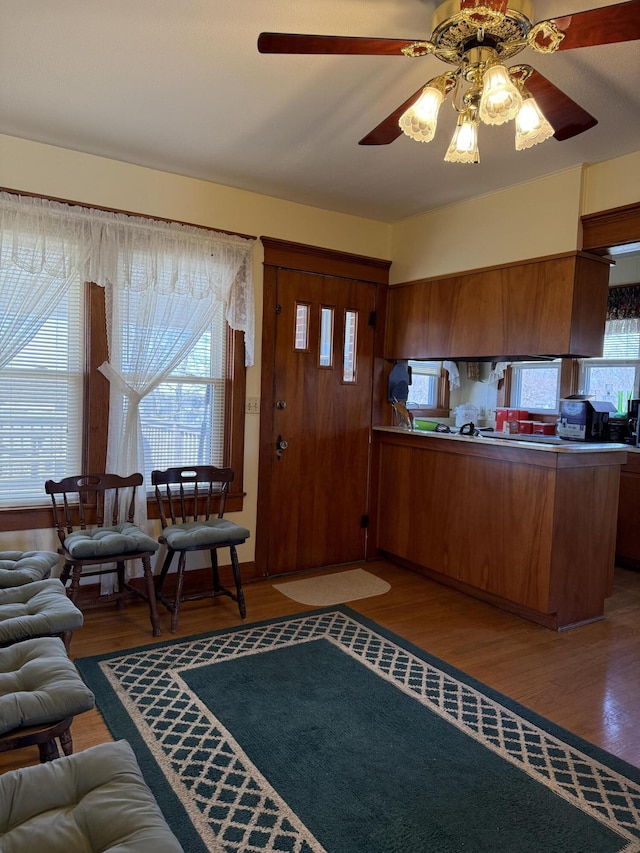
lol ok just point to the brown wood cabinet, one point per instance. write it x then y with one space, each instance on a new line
628 534
551 306
529 529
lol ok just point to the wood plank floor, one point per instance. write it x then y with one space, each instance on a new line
586 679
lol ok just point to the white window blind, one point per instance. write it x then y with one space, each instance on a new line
41 406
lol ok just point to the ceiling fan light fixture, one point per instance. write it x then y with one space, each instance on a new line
500 100
420 120
463 147
531 125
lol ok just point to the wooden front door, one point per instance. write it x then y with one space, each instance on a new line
314 477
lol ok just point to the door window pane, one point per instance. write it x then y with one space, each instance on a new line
301 331
326 337
350 342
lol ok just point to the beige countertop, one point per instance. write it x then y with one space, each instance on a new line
552 444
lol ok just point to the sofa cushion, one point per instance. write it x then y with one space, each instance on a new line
18 567
100 542
39 684
203 534
36 609
95 800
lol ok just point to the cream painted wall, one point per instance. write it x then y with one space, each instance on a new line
530 220
31 167
613 183
436 243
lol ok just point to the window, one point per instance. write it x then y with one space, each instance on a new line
535 386
54 401
183 417
425 378
41 393
349 364
615 377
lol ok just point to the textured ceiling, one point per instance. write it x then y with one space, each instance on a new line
181 87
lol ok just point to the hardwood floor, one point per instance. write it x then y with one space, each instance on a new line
585 679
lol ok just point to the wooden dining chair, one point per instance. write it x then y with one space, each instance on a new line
90 548
188 498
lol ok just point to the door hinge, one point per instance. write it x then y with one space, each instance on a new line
364 521
373 318
278 309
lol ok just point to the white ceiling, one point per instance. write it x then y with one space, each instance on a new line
180 86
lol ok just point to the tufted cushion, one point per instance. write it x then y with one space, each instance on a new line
36 609
18 567
95 800
203 534
39 684
108 541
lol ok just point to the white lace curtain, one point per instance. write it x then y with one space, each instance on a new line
43 250
153 272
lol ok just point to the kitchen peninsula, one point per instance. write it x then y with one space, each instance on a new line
528 527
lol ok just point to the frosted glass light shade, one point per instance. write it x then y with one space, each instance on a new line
531 126
463 147
500 99
420 120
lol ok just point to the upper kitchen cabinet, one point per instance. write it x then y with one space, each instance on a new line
554 306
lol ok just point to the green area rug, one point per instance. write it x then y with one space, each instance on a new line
325 732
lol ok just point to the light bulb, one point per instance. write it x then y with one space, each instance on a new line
463 147
420 120
500 100
531 126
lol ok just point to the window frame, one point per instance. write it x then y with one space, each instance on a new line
569 370
95 399
516 373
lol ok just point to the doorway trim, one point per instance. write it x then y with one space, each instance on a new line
282 254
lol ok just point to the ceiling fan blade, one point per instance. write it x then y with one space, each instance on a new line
607 25
567 118
294 43
389 130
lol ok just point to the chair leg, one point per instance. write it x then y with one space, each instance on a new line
151 596
74 591
122 603
175 613
64 574
236 576
66 742
48 751
164 570
214 571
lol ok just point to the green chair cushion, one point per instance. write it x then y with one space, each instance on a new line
95 800
36 609
18 567
204 534
39 684
99 542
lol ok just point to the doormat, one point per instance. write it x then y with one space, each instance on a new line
325 733
338 588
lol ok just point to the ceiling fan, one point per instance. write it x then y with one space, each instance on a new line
475 37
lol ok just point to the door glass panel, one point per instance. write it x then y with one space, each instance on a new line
301 331
326 337
350 341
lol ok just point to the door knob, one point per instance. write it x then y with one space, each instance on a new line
281 404
281 444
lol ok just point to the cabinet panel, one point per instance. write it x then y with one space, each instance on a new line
554 306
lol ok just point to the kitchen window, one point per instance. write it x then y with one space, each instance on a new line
614 378
535 386
429 389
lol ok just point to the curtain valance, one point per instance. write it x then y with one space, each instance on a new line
38 237
623 303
